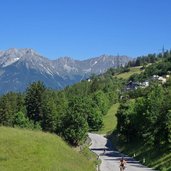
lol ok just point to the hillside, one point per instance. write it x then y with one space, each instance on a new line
23 150
132 70
91 105
144 124
143 118
109 120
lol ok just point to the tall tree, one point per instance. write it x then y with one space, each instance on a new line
75 125
6 112
102 101
33 101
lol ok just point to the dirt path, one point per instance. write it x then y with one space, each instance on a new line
110 159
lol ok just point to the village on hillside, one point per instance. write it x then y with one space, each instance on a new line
131 85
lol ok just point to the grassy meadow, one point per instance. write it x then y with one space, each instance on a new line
133 70
25 150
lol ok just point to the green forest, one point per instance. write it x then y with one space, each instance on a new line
70 113
144 115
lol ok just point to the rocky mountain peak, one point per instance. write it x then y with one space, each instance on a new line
18 53
19 67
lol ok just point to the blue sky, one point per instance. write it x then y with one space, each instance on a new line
86 28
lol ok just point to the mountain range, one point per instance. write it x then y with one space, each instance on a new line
20 67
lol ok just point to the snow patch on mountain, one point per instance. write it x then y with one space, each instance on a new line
9 61
94 63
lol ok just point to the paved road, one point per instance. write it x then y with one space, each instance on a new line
110 159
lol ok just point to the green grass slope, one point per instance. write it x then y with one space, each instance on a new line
25 150
133 70
110 120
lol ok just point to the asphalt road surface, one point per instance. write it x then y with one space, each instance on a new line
110 159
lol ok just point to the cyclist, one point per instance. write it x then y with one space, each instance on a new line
122 164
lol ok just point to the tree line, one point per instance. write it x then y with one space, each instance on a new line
80 108
161 67
147 118
70 113
145 114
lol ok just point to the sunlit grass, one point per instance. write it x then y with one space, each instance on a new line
133 70
110 120
25 150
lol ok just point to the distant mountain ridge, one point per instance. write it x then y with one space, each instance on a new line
19 67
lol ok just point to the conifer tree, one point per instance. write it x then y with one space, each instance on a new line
33 101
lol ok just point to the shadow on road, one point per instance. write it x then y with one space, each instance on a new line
110 157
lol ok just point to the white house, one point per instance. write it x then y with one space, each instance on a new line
162 80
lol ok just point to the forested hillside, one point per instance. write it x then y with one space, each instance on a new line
144 115
70 113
